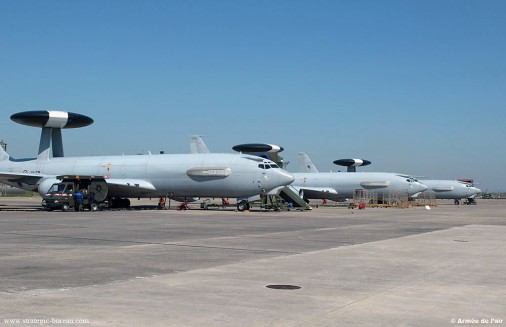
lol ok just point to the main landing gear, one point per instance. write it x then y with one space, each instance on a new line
243 205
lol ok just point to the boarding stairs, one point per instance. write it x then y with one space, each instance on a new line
290 195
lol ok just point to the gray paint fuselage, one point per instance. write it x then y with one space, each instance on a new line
345 184
161 174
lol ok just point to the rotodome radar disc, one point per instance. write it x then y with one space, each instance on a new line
257 148
52 119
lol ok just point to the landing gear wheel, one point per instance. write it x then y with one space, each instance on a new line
243 205
457 202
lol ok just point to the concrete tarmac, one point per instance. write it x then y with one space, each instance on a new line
373 267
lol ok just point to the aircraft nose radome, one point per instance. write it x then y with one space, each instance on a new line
475 190
285 178
422 187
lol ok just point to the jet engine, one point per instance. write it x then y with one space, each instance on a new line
45 184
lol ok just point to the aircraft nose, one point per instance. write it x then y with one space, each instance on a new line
286 178
283 177
475 190
422 187
417 188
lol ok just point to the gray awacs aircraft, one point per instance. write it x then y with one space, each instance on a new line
439 188
313 184
138 176
451 189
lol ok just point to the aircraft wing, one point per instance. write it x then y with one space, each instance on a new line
128 187
20 179
317 192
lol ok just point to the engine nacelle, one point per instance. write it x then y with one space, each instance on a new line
45 184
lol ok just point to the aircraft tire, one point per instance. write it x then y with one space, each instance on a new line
243 205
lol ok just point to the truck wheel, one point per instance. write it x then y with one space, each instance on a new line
65 207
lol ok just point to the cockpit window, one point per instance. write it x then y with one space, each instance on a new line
268 166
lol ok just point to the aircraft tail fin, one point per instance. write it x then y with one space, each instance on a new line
3 155
44 155
305 164
197 145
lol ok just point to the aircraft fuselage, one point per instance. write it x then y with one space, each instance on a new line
347 183
450 189
200 175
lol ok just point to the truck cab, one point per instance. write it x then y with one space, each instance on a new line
76 192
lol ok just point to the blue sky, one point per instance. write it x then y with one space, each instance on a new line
416 87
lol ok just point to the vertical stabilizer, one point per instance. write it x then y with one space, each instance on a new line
44 155
3 154
197 145
305 164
